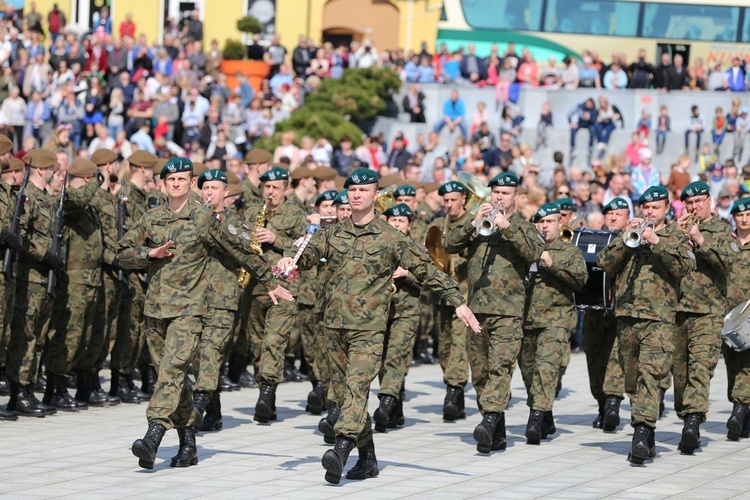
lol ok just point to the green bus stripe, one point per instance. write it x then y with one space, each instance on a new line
503 36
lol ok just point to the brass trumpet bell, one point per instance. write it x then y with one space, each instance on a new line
385 199
434 243
478 192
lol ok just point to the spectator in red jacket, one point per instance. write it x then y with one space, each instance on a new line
127 27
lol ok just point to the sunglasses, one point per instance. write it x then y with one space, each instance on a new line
563 192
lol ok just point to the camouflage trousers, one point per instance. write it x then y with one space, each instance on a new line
452 338
239 343
307 325
74 318
31 315
110 308
173 344
602 354
130 336
646 357
697 347
7 295
272 333
400 336
354 359
428 315
492 355
542 352
217 329
738 374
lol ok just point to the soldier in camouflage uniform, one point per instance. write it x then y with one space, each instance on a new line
738 293
174 242
645 308
600 341
257 163
32 308
362 253
303 189
549 317
498 265
701 305
400 333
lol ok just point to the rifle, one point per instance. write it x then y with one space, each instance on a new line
122 214
17 213
57 237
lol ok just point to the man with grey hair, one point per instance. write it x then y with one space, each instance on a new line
595 221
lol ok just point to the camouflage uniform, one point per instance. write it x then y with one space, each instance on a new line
498 265
176 296
701 306
549 318
359 264
7 286
646 298
738 363
252 195
602 354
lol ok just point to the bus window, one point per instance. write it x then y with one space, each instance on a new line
503 14
592 17
691 22
746 27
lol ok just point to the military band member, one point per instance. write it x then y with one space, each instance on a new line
362 253
498 264
645 308
738 293
173 241
303 189
257 163
701 307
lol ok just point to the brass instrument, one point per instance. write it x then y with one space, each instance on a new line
385 199
478 192
634 237
326 220
260 223
433 241
566 233
487 224
243 277
688 223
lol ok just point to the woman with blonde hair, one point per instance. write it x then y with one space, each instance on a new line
536 197
287 149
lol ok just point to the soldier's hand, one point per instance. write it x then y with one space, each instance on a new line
313 219
286 264
464 314
266 236
501 221
649 236
10 240
161 252
400 272
280 293
546 259
483 211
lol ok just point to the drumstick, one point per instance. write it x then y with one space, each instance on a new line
747 304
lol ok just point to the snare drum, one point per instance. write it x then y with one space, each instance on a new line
736 331
598 292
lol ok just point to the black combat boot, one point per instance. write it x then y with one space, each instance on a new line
200 402
611 414
21 404
422 355
291 373
397 415
334 460
4 383
746 427
736 421
56 394
383 412
187 455
643 445
265 408
691 436
31 397
367 464
134 390
101 394
145 449
485 430
316 399
148 379
499 437
235 366
597 423
548 424
85 391
212 421
662 392
452 404
325 426
118 386
534 427
247 380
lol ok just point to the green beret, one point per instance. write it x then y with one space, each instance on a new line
342 198
405 190
176 165
329 195
616 204
741 205
545 210
212 175
654 193
452 187
275 174
399 210
565 204
506 179
671 215
361 176
696 188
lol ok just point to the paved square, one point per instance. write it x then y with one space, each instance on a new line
87 454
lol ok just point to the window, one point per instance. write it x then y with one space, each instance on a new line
691 22
746 27
592 17
503 14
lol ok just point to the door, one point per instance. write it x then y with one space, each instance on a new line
672 49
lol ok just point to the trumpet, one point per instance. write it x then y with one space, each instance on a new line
688 223
634 237
566 233
487 224
326 220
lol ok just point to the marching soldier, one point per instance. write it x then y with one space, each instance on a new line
701 307
498 264
257 163
549 318
645 309
738 363
362 253
174 242
303 188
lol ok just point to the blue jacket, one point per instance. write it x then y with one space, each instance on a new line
737 84
454 110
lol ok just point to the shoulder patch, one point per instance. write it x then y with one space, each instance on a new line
691 255
734 247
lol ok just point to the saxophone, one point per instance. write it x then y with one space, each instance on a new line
243 275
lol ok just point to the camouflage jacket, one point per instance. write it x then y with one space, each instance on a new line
405 301
82 243
738 289
360 262
137 203
288 224
549 295
498 264
37 225
221 273
106 206
7 204
253 195
704 290
418 231
425 212
296 201
648 276
177 285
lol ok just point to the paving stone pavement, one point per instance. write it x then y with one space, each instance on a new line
87 455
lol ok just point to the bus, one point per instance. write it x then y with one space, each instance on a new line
713 31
